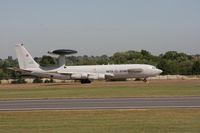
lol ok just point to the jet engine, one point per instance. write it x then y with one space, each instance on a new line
96 76
79 76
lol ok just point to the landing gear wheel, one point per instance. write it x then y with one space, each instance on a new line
85 81
145 80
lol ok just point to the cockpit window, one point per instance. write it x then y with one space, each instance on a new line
153 67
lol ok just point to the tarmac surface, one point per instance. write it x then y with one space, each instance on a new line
103 103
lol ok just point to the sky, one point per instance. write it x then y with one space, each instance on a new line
97 27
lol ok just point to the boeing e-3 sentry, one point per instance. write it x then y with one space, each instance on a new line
84 73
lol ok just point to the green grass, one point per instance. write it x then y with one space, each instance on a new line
103 90
102 121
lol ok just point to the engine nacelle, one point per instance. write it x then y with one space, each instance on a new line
96 76
79 76
101 76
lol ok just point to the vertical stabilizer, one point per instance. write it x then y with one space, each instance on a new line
25 60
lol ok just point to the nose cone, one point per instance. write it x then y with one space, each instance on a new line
159 71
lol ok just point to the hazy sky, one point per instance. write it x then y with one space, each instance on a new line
97 27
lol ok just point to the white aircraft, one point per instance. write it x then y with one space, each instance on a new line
85 73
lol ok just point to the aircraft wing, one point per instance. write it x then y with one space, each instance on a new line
18 69
82 75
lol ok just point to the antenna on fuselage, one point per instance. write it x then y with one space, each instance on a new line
61 53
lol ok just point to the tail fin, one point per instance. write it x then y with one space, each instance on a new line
25 60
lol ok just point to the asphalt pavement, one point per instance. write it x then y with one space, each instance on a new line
102 103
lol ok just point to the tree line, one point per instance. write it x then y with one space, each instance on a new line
171 62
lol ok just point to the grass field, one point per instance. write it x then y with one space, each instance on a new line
158 88
102 121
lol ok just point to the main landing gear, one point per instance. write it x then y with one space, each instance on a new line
145 80
85 81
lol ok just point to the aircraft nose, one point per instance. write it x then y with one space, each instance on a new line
159 71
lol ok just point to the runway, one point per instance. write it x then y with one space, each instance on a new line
103 103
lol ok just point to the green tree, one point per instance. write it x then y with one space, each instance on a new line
196 67
168 67
119 58
47 61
